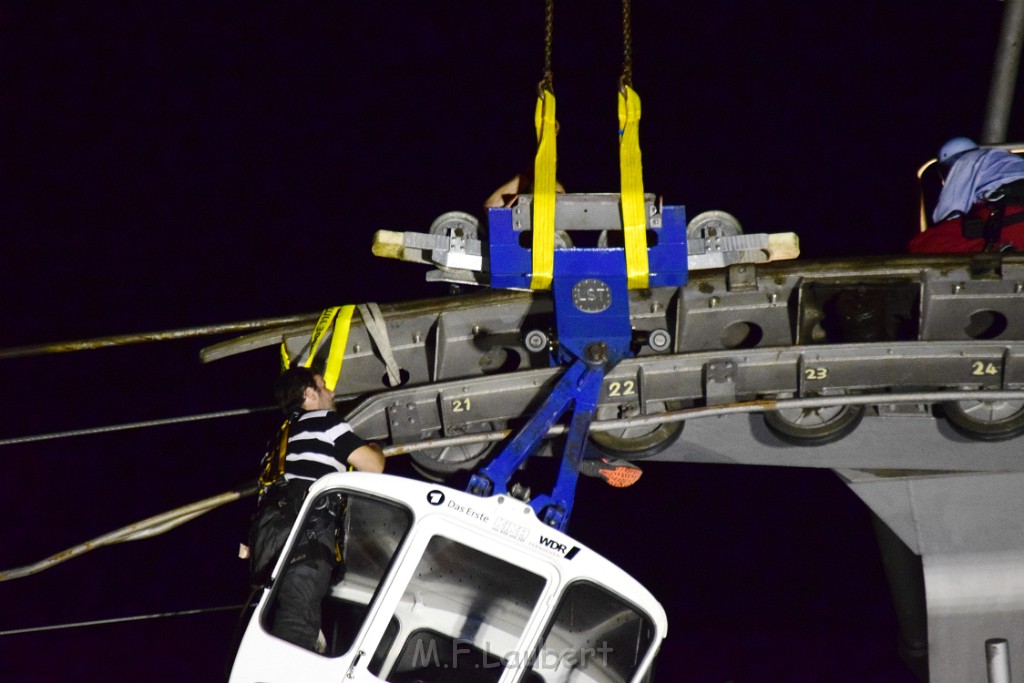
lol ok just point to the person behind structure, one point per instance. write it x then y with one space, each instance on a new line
981 205
313 442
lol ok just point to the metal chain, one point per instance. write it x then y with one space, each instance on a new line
627 46
547 81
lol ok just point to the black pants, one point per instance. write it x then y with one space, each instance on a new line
300 592
306 579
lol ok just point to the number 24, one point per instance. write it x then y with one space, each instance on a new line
981 368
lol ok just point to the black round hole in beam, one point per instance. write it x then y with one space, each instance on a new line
986 324
403 379
741 335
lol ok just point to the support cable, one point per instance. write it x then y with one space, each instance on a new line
119 620
173 518
146 528
135 425
757 406
145 337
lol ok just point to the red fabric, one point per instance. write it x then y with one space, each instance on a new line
947 237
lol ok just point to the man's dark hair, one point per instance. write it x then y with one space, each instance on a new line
290 387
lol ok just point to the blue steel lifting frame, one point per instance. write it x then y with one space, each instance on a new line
592 319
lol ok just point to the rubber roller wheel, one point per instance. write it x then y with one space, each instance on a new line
636 443
438 464
814 426
986 420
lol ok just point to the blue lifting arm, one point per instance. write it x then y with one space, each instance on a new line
592 319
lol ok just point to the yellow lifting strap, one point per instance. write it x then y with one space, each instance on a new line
339 340
341 316
544 192
634 218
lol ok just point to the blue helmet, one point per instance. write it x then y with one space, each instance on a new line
955 146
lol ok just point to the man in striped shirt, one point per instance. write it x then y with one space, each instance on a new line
319 442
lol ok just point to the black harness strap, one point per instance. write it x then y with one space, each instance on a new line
991 226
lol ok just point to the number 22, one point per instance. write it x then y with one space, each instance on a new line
627 388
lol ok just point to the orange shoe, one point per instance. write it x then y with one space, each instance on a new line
617 473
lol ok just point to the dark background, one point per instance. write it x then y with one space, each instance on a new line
203 162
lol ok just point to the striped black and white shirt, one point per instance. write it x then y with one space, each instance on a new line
319 443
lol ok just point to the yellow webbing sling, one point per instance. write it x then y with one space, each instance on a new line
338 342
544 192
341 316
634 219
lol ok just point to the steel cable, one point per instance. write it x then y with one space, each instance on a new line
146 528
145 337
119 620
173 518
134 425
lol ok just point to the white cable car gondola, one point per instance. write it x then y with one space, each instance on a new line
441 585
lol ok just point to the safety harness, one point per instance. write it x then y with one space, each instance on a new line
272 464
278 509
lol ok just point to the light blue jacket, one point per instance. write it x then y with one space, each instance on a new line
974 176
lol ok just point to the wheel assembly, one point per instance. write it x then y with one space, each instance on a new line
986 420
635 443
813 426
437 464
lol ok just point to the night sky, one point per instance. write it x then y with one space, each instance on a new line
182 164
